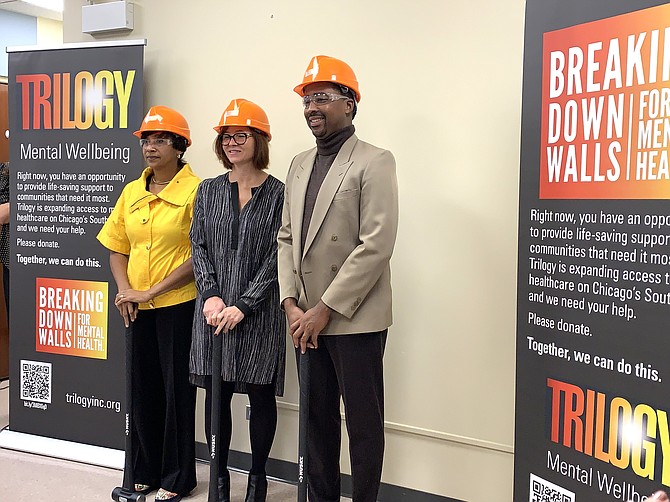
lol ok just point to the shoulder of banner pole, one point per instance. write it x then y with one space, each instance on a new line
217 340
304 364
129 334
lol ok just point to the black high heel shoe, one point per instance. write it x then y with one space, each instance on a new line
224 487
257 488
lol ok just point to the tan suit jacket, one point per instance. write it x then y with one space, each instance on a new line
350 238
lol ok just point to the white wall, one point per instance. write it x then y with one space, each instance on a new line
441 88
49 31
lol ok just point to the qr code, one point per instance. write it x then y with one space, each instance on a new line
542 490
36 381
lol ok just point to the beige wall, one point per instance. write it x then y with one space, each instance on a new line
441 87
49 31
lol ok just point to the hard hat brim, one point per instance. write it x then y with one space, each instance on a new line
300 89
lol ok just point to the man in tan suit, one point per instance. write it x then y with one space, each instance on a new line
339 227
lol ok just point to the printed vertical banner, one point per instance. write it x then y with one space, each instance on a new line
593 306
71 317
606 109
72 112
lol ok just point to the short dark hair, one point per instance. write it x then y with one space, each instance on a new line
346 91
261 158
179 143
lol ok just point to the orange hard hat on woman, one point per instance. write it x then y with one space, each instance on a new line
327 69
164 119
244 113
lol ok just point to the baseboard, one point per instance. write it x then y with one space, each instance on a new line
288 472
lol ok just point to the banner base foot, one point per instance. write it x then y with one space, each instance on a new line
67 450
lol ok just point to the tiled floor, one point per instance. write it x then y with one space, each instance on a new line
28 477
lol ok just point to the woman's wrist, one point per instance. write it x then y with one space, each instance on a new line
150 295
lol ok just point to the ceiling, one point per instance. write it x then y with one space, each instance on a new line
29 9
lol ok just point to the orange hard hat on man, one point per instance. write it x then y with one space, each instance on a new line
327 69
244 113
164 119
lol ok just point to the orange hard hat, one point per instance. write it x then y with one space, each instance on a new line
327 69
244 113
162 118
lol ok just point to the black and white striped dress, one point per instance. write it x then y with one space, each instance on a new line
235 257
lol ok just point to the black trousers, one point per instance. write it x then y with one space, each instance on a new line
351 367
163 399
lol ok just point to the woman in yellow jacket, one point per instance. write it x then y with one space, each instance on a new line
147 234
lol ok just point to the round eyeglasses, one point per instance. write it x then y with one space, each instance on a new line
239 138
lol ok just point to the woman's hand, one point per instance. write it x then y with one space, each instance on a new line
128 311
230 317
132 295
127 302
212 310
659 496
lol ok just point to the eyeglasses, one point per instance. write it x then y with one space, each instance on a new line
155 142
321 98
239 138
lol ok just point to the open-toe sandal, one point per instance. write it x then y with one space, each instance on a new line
166 496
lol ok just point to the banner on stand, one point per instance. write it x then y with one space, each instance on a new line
593 380
72 113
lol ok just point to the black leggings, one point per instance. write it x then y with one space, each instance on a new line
262 423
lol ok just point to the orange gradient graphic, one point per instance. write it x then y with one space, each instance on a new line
606 109
79 101
611 429
71 317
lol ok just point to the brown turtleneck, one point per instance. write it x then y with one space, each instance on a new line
326 151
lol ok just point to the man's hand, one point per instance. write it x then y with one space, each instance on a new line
212 310
305 331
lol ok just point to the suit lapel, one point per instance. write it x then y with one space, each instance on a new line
331 183
300 181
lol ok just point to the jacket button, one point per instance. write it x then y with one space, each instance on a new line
333 238
333 268
295 271
148 246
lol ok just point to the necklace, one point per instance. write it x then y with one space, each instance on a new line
153 180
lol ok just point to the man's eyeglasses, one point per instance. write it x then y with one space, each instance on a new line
155 142
321 98
239 138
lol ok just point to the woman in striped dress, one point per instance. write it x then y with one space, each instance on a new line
235 222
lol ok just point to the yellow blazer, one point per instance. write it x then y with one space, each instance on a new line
153 230
350 238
